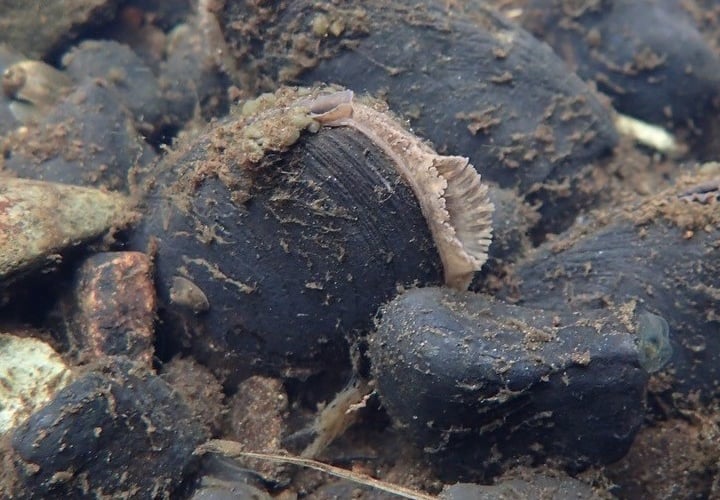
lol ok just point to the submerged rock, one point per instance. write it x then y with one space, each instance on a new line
31 373
131 80
37 27
114 308
41 220
673 458
527 486
117 431
193 75
224 480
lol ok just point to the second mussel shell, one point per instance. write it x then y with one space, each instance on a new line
276 239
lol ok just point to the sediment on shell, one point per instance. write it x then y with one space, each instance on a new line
294 233
453 200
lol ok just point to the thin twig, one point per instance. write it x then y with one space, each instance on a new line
233 449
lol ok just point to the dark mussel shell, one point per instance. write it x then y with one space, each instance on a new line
659 255
478 86
647 55
269 264
481 385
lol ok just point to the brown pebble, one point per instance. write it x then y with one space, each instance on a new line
201 391
257 419
677 458
115 311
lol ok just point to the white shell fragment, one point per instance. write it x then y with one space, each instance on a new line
647 134
453 200
31 372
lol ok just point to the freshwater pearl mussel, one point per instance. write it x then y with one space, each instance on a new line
310 233
295 219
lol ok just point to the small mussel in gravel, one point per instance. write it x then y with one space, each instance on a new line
481 385
278 232
660 255
480 85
